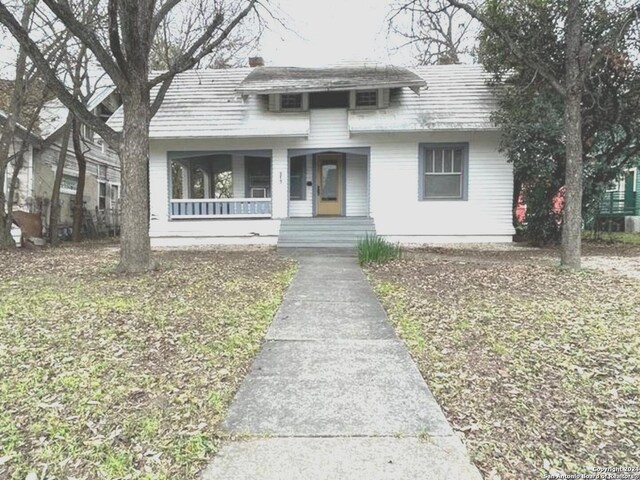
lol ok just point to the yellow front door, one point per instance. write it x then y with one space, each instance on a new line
329 180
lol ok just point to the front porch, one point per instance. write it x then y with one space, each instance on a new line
220 185
329 182
240 184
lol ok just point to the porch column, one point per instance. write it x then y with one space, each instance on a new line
186 190
279 183
206 178
237 173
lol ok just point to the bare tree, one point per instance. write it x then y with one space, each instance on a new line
26 96
54 207
8 131
132 26
438 32
79 152
76 69
178 30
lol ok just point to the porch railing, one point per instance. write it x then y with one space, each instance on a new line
619 203
221 208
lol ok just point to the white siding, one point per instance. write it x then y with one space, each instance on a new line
357 188
328 125
398 212
394 204
304 208
24 188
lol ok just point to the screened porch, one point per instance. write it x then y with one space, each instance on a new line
220 185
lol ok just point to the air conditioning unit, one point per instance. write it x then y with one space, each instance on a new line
258 192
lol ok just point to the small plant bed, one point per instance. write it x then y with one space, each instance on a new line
374 249
104 376
536 367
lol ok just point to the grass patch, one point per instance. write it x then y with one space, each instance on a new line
108 376
620 238
538 368
374 249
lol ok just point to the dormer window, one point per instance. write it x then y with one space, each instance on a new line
291 101
366 98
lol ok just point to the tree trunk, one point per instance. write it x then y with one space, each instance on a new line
54 209
6 138
78 213
135 246
572 223
6 240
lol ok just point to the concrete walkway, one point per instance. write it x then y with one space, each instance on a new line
334 394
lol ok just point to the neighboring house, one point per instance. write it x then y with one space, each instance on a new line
36 178
622 197
304 157
620 205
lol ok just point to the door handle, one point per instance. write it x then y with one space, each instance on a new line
318 189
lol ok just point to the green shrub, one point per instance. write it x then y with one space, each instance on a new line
374 249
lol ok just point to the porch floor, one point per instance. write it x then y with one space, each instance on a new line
324 232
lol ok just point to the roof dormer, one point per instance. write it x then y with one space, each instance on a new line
356 88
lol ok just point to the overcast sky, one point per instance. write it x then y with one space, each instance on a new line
319 32
330 31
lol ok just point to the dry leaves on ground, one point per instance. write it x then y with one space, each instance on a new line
104 376
538 368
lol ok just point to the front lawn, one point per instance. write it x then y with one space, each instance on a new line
537 367
104 376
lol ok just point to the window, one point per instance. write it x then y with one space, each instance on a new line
101 143
291 101
69 184
115 196
297 178
257 177
367 98
102 196
443 173
329 100
86 132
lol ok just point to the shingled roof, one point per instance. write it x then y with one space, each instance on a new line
208 104
295 80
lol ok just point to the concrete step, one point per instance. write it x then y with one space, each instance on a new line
319 238
327 232
317 245
332 220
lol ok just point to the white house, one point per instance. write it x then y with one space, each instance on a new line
303 157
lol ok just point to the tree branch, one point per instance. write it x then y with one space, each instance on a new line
162 14
59 88
162 91
63 11
191 57
114 38
525 57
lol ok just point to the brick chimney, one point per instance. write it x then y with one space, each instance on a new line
256 62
